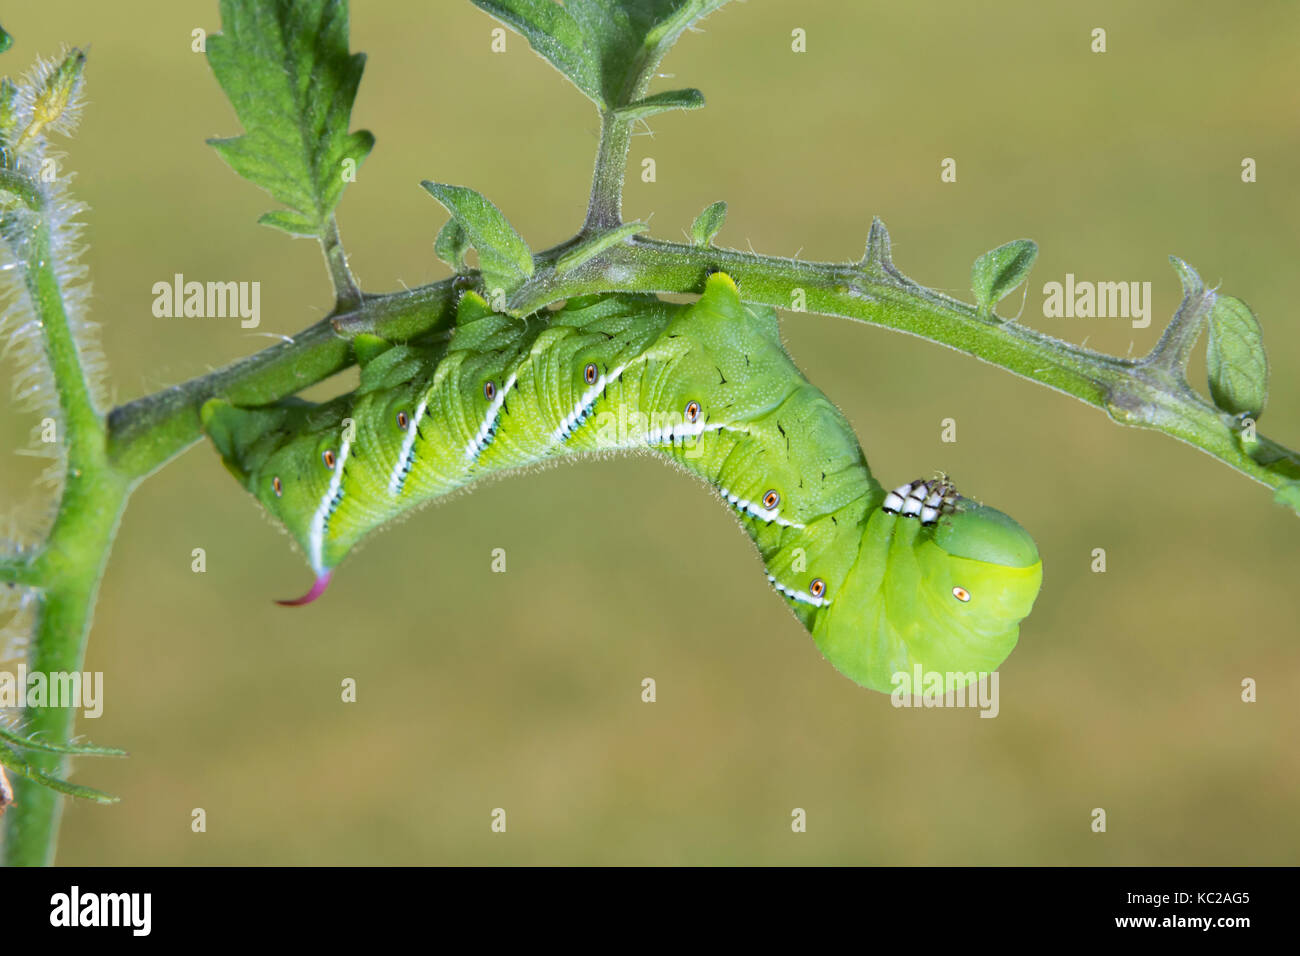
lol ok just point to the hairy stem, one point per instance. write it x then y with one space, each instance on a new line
605 210
1174 350
1143 392
346 293
81 422
71 565
1138 392
144 434
68 569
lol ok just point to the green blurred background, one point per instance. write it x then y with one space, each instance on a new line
522 690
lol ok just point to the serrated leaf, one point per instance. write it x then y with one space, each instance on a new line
13 762
503 256
285 66
24 742
294 223
999 271
452 244
1289 496
607 48
1237 363
708 223
661 103
553 33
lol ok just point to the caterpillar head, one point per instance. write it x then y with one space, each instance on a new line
940 582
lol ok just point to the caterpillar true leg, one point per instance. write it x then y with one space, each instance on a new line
927 500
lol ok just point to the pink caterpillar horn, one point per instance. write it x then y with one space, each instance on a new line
316 591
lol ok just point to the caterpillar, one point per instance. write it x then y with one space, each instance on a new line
883 580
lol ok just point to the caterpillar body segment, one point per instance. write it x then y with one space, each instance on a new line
883 580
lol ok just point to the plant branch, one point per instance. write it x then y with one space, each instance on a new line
146 433
68 569
347 295
1174 350
1142 392
605 209
23 742
82 425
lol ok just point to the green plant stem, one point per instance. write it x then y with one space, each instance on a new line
1174 349
70 564
1141 392
146 433
605 209
346 293
82 427
1144 392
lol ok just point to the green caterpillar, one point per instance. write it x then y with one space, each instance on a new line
883 580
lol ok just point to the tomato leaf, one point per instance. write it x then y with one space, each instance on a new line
285 66
608 49
999 271
503 256
1235 357
708 223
